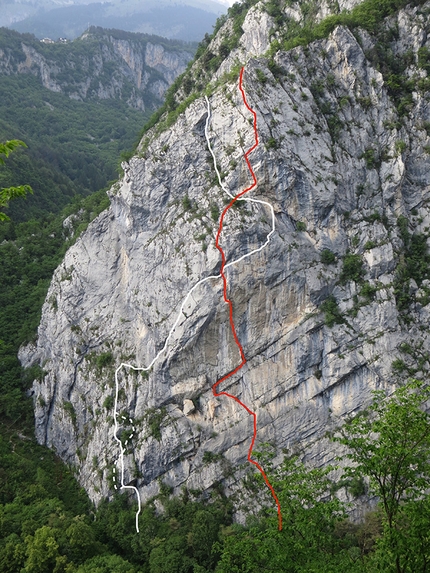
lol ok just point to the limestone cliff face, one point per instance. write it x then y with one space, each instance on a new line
347 169
101 64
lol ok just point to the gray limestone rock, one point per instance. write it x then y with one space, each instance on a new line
189 407
123 287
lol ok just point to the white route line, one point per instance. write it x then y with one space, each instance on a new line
250 200
181 313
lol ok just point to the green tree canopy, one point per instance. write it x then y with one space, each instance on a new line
390 446
9 193
308 540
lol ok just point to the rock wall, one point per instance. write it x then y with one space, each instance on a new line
341 163
101 65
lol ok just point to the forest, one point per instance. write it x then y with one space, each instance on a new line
47 522
74 143
73 147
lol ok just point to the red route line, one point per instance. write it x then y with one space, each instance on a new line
228 301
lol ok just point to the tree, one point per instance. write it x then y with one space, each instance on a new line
106 564
390 446
81 540
9 193
42 551
310 515
203 535
12 554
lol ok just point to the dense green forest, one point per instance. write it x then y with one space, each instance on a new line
47 523
73 147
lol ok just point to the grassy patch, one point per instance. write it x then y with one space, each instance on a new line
331 311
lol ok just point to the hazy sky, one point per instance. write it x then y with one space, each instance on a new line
187 20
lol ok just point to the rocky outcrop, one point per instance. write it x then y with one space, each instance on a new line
101 64
326 313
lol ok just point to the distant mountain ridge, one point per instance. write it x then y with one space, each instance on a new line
101 64
78 106
188 20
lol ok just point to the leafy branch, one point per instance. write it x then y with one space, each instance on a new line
9 193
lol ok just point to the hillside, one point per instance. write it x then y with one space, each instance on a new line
78 106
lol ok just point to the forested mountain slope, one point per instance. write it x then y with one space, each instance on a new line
78 106
101 64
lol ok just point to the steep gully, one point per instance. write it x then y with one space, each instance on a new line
224 266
